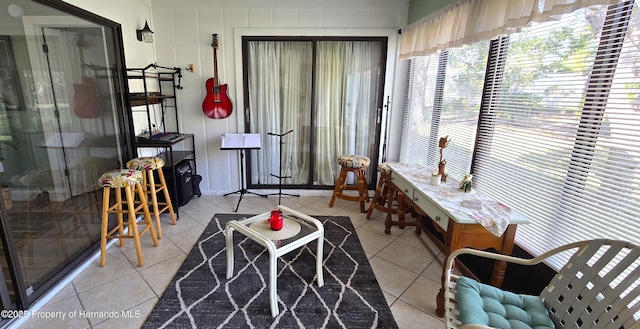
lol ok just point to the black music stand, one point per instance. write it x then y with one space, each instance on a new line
279 176
241 142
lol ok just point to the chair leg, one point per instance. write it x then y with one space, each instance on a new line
379 196
363 191
104 226
154 199
147 216
133 225
339 186
120 210
166 196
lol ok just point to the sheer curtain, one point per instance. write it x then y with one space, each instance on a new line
279 101
348 80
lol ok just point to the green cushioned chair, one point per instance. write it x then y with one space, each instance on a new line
597 288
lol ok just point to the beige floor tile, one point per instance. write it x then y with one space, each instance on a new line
372 242
358 220
153 255
392 278
131 318
411 258
94 275
420 241
186 239
435 268
409 317
159 276
376 224
185 223
62 314
115 296
199 203
66 292
389 298
422 295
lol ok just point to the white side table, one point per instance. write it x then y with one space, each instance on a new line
310 229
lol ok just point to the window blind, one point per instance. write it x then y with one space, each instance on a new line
444 100
418 111
559 135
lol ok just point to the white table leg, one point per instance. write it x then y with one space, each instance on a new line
319 261
229 241
273 284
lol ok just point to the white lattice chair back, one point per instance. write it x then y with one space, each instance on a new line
597 288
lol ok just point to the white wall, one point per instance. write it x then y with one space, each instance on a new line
183 32
182 36
131 15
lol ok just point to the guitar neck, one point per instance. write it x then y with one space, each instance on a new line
215 67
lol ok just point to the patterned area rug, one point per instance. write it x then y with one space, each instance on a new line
200 296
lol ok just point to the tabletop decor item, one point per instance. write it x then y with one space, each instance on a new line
465 184
435 179
276 220
443 143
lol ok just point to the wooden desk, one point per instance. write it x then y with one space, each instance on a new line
443 205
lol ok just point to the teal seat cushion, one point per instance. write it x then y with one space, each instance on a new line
489 306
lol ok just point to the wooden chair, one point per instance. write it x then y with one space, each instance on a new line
597 288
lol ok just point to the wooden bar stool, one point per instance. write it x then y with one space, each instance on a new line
380 200
126 180
147 165
356 164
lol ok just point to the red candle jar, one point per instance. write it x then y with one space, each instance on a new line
276 220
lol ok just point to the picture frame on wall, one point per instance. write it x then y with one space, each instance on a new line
10 92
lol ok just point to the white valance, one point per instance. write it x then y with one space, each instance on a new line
469 21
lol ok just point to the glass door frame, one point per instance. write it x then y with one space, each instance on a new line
120 87
379 104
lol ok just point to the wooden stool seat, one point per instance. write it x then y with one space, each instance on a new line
148 165
127 180
356 164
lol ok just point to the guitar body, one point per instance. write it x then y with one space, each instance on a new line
217 104
85 99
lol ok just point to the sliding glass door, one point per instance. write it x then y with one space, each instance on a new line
62 124
311 100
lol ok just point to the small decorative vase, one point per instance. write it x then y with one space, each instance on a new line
276 220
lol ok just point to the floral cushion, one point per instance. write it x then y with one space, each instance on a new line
120 178
384 167
354 161
145 163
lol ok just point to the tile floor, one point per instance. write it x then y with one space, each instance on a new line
408 267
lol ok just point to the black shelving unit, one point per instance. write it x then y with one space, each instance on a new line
168 82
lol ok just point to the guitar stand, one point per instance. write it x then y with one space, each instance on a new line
280 177
243 190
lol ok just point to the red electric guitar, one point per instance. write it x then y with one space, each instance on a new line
216 104
85 94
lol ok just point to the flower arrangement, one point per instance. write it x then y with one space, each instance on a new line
465 184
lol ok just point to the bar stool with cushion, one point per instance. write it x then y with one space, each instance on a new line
356 164
380 197
148 165
127 180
